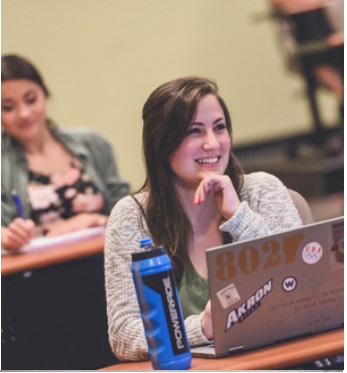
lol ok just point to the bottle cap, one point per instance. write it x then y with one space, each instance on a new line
148 254
145 242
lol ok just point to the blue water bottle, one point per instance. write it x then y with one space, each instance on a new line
160 308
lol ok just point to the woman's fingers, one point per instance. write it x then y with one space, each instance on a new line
22 229
223 192
210 183
18 233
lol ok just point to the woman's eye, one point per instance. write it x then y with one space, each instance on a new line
6 108
31 100
193 130
220 127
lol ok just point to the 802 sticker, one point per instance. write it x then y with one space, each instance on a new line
250 259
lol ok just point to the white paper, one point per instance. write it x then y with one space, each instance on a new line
44 243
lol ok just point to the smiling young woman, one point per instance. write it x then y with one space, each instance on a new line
195 196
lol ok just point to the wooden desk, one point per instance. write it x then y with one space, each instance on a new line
279 356
54 309
76 250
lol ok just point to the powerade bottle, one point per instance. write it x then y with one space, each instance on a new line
160 308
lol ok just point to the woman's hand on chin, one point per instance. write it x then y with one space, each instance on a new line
221 188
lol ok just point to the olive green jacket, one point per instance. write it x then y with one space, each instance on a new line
94 152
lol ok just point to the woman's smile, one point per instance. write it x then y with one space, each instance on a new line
208 161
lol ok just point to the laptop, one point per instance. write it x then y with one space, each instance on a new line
275 288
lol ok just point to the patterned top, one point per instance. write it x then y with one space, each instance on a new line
265 208
52 196
87 146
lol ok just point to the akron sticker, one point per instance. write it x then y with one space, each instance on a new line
312 253
228 296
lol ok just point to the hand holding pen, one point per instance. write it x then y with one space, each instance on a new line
18 203
20 231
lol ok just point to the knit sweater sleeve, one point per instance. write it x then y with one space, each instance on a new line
266 208
125 328
125 229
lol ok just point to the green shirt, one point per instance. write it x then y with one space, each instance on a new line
194 292
194 289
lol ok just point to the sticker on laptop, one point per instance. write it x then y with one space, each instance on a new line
248 307
312 253
289 284
228 296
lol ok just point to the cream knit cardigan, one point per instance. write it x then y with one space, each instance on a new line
266 207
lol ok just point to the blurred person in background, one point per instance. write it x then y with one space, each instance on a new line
66 180
311 34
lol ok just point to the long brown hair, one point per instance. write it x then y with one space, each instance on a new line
166 116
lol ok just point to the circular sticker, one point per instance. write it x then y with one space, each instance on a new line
312 253
289 284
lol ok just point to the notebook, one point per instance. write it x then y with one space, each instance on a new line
275 288
45 243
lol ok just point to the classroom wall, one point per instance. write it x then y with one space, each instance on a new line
102 58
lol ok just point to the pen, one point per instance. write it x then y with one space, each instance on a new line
18 203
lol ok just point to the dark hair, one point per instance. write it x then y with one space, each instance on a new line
166 115
14 67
